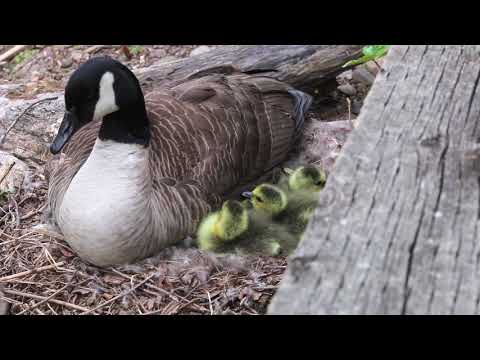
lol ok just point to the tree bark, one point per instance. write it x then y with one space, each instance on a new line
396 230
308 67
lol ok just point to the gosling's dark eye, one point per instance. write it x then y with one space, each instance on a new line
258 199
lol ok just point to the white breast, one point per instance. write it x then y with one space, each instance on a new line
105 208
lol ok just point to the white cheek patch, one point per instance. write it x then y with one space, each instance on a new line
106 100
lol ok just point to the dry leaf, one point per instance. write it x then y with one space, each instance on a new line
81 291
107 296
149 304
113 280
66 253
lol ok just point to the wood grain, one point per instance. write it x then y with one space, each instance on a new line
396 231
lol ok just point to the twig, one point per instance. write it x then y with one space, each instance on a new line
23 113
379 66
50 297
350 121
96 48
10 53
153 312
33 212
17 215
9 168
210 303
23 273
118 296
39 312
58 302
174 297
51 309
20 237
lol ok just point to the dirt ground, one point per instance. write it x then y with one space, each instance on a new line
40 274
47 68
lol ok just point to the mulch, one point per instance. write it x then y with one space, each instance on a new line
40 273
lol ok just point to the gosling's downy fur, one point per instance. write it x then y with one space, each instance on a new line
234 229
286 207
307 177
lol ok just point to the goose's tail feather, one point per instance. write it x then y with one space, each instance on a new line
303 101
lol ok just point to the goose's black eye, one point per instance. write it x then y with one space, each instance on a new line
258 199
91 97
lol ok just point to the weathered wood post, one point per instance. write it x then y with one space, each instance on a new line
397 229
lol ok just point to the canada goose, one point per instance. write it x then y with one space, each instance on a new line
307 177
237 229
268 198
304 185
292 208
138 173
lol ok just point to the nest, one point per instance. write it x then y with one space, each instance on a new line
40 273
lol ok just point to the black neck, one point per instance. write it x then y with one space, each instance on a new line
129 126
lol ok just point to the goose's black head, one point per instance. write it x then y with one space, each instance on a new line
104 89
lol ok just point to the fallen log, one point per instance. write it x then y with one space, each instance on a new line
401 236
7 55
307 67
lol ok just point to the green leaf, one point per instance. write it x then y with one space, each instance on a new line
135 49
358 61
376 51
371 52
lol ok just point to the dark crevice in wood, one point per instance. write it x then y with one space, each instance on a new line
478 198
457 292
337 291
457 253
458 205
372 205
470 103
396 225
422 79
422 56
387 100
411 253
407 49
344 247
417 168
318 282
477 300
421 107
354 194
440 192
431 297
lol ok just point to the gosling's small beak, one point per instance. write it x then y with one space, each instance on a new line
287 171
247 194
68 127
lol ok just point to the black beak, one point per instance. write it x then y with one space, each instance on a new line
68 127
247 194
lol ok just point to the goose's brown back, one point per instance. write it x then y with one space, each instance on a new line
221 131
215 131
